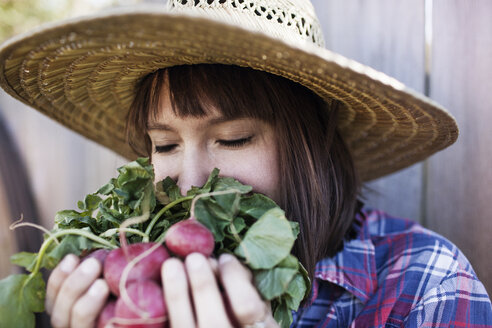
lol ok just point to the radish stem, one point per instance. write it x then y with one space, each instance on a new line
53 237
134 220
19 223
161 212
110 232
124 277
213 193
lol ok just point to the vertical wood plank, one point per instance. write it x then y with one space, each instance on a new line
63 167
7 237
460 178
388 36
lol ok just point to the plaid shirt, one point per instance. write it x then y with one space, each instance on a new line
395 273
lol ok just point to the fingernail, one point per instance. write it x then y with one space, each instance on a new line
68 264
89 266
224 258
97 288
195 261
171 269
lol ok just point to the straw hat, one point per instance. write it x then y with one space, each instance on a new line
82 72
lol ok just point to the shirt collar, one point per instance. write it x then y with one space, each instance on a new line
353 268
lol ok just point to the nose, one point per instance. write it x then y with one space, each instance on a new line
194 171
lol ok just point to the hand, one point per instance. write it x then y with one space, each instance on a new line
194 299
74 295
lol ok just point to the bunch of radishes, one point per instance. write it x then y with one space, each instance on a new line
133 275
248 225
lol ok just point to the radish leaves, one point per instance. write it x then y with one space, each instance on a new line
251 226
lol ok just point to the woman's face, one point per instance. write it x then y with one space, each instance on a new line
188 148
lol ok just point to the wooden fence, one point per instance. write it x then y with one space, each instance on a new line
442 48
450 193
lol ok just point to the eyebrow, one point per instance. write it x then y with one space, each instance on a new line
212 121
159 126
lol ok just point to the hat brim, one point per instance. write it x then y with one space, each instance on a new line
83 72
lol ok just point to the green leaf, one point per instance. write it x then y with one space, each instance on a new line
227 183
163 224
24 259
268 241
65 217
28 260
239 225
207 187
283 315
111 215
274 282
140 168
307 281
170 187
295 228
216 210
160 194
90 203
256 205
134 184
214 175
70 244
206 216
107 188
73 219
296 291
230 184
290 261
21 296
229 203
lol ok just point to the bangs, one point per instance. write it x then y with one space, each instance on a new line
197 90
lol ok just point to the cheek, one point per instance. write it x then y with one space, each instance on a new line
258 169
163 169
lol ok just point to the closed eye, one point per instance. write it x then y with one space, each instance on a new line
165 149
236 143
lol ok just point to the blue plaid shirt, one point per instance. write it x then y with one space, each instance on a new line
395 273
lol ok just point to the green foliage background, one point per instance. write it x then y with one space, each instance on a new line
18 16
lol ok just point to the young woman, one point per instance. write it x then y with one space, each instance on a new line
268 106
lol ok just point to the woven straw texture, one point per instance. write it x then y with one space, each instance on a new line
82 73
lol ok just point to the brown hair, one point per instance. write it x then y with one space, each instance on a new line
319 185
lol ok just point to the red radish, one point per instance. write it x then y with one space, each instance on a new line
147 268
189 236
107 314
99 255
147 296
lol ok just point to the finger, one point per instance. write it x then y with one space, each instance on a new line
209 307
214 265
246 303
176 293
86 310
56 279
72 288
